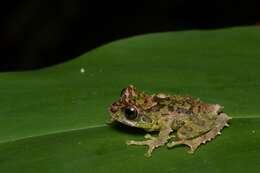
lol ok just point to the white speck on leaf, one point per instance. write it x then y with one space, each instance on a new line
253 131
82 70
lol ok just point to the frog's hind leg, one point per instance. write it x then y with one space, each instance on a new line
194 143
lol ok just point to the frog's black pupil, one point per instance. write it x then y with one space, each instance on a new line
130 113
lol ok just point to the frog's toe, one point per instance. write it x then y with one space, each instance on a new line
174 143
148 136
191 151
128 142
149 152
132 142
170 145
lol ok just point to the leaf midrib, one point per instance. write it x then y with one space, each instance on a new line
89 127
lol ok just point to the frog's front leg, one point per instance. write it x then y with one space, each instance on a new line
154 142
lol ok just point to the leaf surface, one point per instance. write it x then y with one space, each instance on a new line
53 120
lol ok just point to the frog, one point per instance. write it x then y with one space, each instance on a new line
172 119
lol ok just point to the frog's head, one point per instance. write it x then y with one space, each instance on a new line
133 109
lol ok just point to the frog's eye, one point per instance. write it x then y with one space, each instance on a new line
130 113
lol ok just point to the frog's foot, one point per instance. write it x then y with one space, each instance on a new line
196 142
193 144
152 143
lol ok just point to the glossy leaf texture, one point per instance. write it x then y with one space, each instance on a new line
54 119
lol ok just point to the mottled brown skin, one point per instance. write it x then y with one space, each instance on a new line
179 119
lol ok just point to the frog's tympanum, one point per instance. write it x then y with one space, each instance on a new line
178 119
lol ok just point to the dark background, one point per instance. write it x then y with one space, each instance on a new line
35 34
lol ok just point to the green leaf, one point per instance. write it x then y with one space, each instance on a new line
54 119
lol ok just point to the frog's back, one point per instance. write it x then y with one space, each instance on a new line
193 113
183 104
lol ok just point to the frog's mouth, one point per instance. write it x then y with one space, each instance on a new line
128 123
123 120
